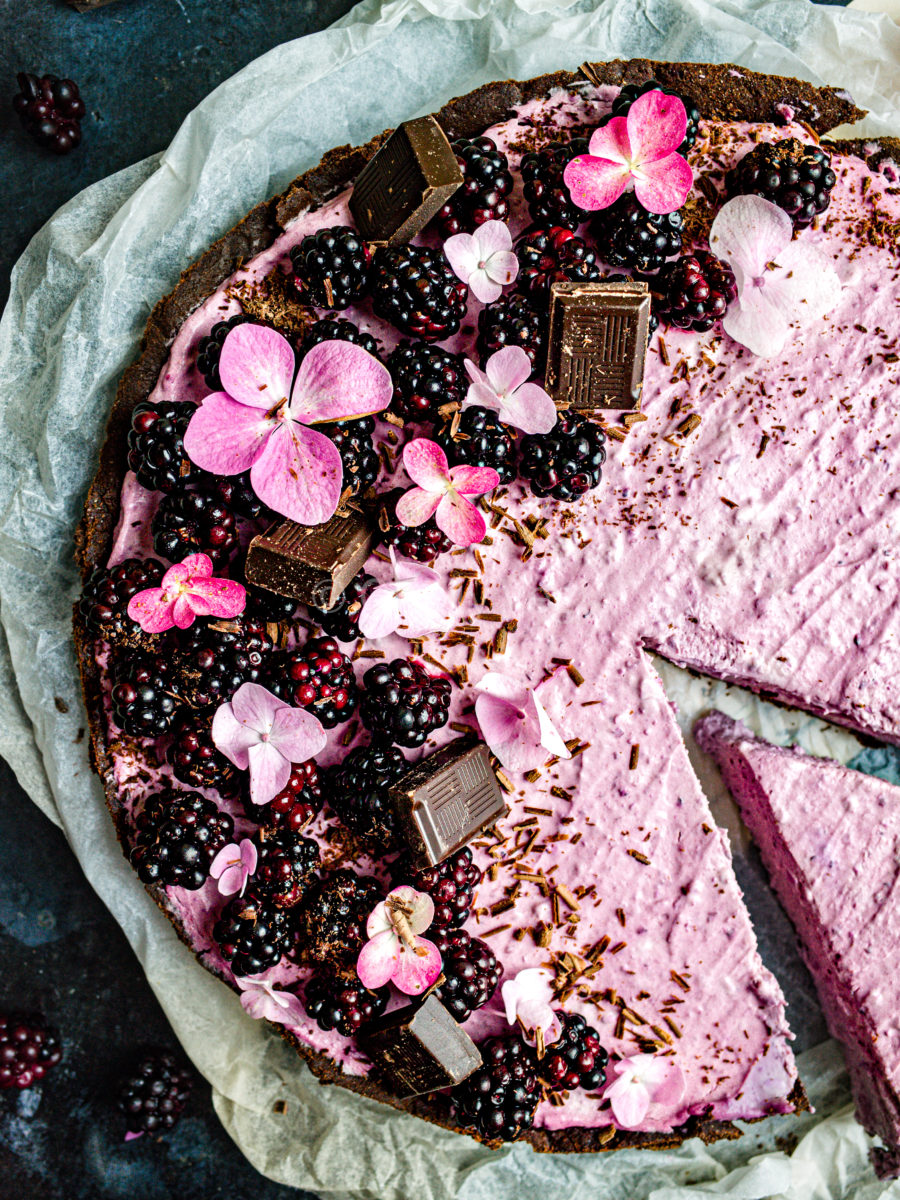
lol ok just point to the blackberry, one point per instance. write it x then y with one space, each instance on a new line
318 677
499 1100
295 805
357 450
513 320
486 184
237 494
253 934
566 462
104 601
694 291
630 93
341 621
285 865
143 702
425 378
548 256
415 289
329 330
471 972
156 445
423 543
480 440
209 349
546 195
154 1095
450 885
357 789
403 703
194 758
337 1000
330 267
29 1047
267 608
178 836
576 1059
796 177
193 522
629 236
331 921
215 658
50 110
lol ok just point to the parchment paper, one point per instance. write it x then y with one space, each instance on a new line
79 299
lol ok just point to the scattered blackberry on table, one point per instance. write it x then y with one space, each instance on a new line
480 440
253 934
336 999
546 195
104 601
156 445
209 349
357 450
50 110
331 921
194 522
295 805
630 93
29 1047
341 621
470 969
425 378
329 330
513 320
423 543
194 758
403 703
566 462
237 494
143 701
576 1059
214 658
629 236
178 836
694 291
357 790
416 290
499 1100
796 177
450 884
154 1095
330 267
317 676
556 255
487 182
285 866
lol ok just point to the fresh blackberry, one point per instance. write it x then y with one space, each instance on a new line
330 267
694 291
357 790
341 621
104 601
630 93
470 969
548 256
546 195
486 184
403 703
450 885
576 1059
629 236
796 177
286 861
29 1047
156 445
480 440
331 921
513 320
566 462
194 522
50 110
295 805
194 758
357 450
237 494
154 1095
425 378
267 607
143 700
253 934
415 289
423 543
498 1101
214 658
329 330
318 677
209 349
178 836
337 1000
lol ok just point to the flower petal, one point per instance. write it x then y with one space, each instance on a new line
152 609
424 610
551 738
419 906
406 569
378 920
459 519
297 734
225 437
756 323
426 464
249 855
417 969
498 719
299 473
262 1001
269 772
482 394
502 266
256 366
380 615
463 254
656 124
529 408
232 737
217 597
611 141
483 287
337 380
629 1101
491 238
378 959
508 369
183 611
194 567
255 706
748 233
416 506
473 481
595 183
802 283
662 186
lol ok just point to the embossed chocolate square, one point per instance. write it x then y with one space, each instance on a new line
412 176
311 563
445 800
597 344
420 1048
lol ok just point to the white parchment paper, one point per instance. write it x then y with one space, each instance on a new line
80 296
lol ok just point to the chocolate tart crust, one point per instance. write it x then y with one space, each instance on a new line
722 92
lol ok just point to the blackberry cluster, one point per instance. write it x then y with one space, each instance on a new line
403 703
513 320
285 865
104 601
423 543
209 349
266 607
694 291
480 440
331 922
337 1000
317 676
341 621
50 110
330 330
357 789
295 805
154 1095
194 759
143 700
194 522
486 184
546 195
629 236
253 934
28 1049
156 445
630 93
556 255
330 267
215 658
566 462
237 494
357 450
470 969
416 289
796 177
425 378
499 1100
450 884
178 836
576 1059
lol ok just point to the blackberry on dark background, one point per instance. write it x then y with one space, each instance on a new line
209 349
423 543
194 758
331 921
357 790
796 177
29 1047
50 110
253 934
694 291
576 1059
337 1000
556 255
265 606
566 462
156 445
425 378
104 601
154 1095
450 884
237 494
319 677
480 440
487 182
341 621
416 290
630 93
295 805
513 320
629 236
143 701
403 703
499 1099
330 267
546 195
285 865
357 450
214 658
329 330
470 969
178 836
194 522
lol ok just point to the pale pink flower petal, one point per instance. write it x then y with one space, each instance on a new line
642 1080
152 609
529 408
378 959
483 259
297 734
269 771
749 232
299 474
656 124
416 506
233 737
528 998
491 238
662 186
462 254
378 921
629 1101
336 380
416 967
502 266
595 183
225 437
426 464
393 951
262 1001
551 738
419 906
256 366
483 287
473 481
514 723
260 733
415 600
459 519
612 141
233 866
506 369
255 706
381 614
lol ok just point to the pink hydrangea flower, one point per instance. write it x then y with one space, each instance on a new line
780 282
528 1000
258 732
265 1002
515 724
483 259
187 590
640 1081
395 953
415 603
233 866
639 151
502 387
261 421
442 491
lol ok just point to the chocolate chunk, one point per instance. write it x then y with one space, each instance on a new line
312 563
399 190
445 800
420 1048
598 344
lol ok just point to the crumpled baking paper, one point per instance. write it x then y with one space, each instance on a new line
80 297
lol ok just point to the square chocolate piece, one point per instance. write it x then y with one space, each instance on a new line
412 176
420 1048
312 563
597 344
445 800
